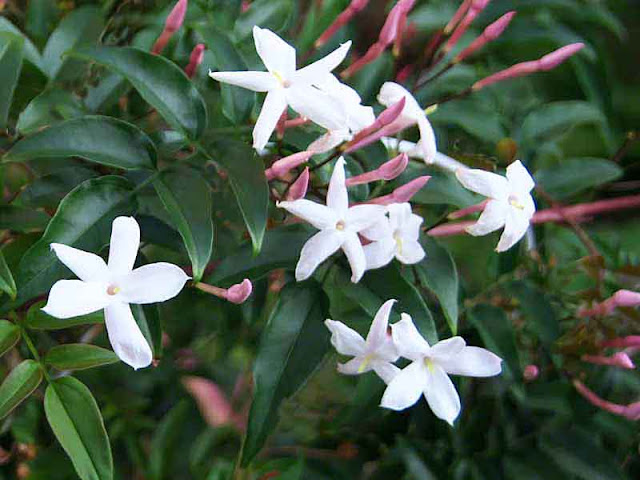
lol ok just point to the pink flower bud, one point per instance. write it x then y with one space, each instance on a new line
474 10
555 58
281 125
195 60
631 411
298 189
403 193
387 171
490 33
172 24
404 73
281 167
368 134
239 292
244 5
463 212
347 14
295 122
622 342
395 22
530 373
373 53
212 402
622 298
620 360
459 15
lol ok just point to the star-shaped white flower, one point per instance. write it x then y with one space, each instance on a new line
510 203
377 352
428 374
113 287
286 86
412 114
339 225
395 236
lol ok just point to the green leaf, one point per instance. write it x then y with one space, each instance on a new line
83 220
164 444
38 320
187 198
51 106
104 140
439 274
9 336
535 304
577 174
160 82
31 53
271 14
11 47
81 26
148 319
22 219
292 346
75 419
7 283
79 356
48 190
18 385
249 185
472 116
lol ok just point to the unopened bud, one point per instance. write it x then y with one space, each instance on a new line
490 33
284 165
555 58
376 130
629 341
459 15
197 54
239 292
172 24
622 298
347 14
298 189
620 360
530 373
387 171
474 10
403 193
373 53
395 22
631 411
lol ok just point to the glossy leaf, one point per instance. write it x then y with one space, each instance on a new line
575 175
271 14
38 320
160 82
22 219
187 198
48 190
51 106
104 140
18 385
7 283
75 419
9 336
11 47
79 356
31 53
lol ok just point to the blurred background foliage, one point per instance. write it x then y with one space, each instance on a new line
574 127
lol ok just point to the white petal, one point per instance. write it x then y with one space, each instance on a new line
485 183
277 55
411 252
473 362
361 217
316 214
317 249
519 177
256 81
385 370
87 266
379 339
427 140
359 117
492 218
379 254
329 140
156 282
514 229
398 214
408 340
355 366
411 227
344 339
72 298
123 249
446 349
274 104
378 231
391 93
125 336
406 387
337 197
441 395
355 255
317 106
322 67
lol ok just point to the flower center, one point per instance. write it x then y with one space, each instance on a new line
398 239
365 363
284 82
112 290
514 201
340 225
429 363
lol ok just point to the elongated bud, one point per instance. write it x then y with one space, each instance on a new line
530 373
463 212
298 188
555 58
474 10
239 292
369 134
403 193
172 24
404 73
387 171
490 33
212 402
345 17
622 298
281 125
631 411
295 122
622 342
395 22
459 15
197 54
284 165
373 53
620 360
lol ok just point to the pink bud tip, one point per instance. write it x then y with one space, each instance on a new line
347 14
494 30
531 372
211 399
395 22
622 298
176 17
622 342
403 193
197 54
620 360
377 130
284 165
631 411
239 292
555 58
394 167
298 188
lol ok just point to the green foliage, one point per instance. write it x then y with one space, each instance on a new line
18 385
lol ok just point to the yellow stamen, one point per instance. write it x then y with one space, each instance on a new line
365 363
398 239
340 225
431 109
285 83
514 202
113 290
429 363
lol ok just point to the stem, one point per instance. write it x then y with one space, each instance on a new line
205 287
34 352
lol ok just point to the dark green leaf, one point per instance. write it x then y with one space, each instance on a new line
75 419
51 106
473 117
38 320
160 82
535 305
48 190
11 47
9 335
164 444
292 346
104 140
31 53
22 219
7 283
187 198
271 14
574 175
18 385
79 356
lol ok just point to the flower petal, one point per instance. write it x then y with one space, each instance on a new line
361 217
406 387
155 282
355 366
72 298
329 140
492 218
276 54
378 231
427 140
385 370
485 183
514 229
256 81
473 362
344 339
411 252
355 255
391 93
337 197
123 249
87 266
320 68
379 340
379 254
125 336
519 177
316 214
274 104
317 249
441 395
447 348
317 106
409 342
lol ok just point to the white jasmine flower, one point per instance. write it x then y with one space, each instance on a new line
286 86
376 353
113 287
510 203
396 236
428 374
412 114
339 225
